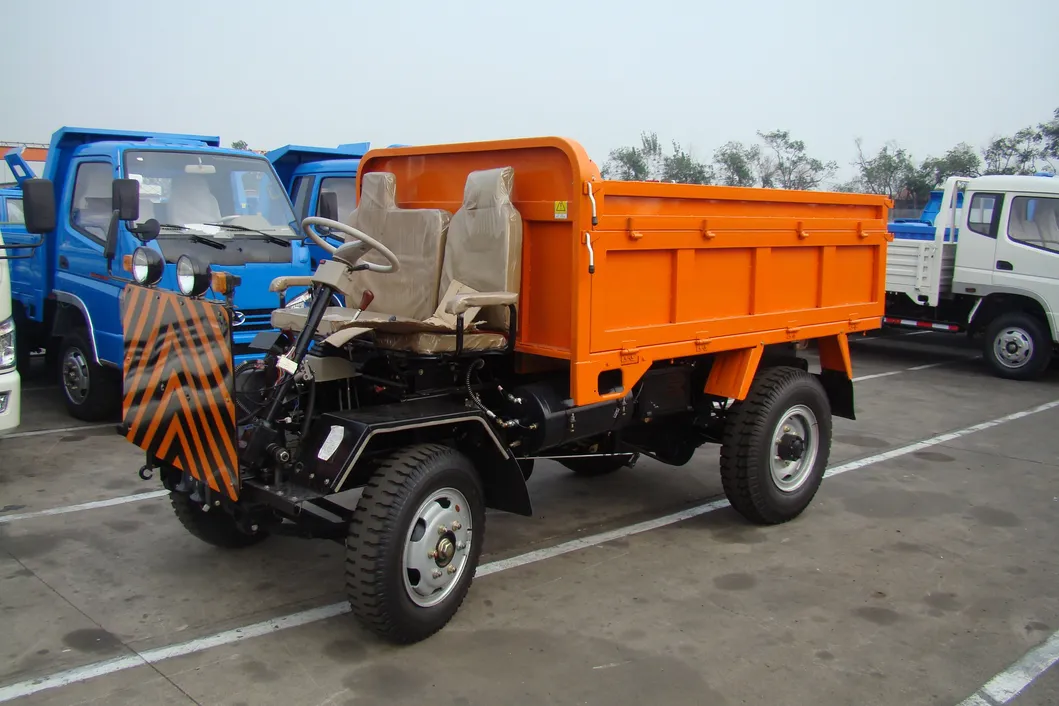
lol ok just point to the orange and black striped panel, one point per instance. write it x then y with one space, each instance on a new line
178 403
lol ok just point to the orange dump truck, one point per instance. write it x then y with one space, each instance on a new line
506 305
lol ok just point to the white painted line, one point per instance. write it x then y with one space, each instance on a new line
85 506
60 430
1009 683
887 374
97 669
157 494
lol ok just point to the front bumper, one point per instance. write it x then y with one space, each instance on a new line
10 402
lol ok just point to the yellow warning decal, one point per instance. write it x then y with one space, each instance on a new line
560 210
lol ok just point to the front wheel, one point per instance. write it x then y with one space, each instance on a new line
1017 346
776 444
91 392
215 526
414 542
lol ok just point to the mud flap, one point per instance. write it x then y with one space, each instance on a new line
178 403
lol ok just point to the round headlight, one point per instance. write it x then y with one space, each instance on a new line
193 279
147 266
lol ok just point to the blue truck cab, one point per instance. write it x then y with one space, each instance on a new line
306 173
224 208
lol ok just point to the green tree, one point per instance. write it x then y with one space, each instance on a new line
240 145
681 168
888 172
1017 154
649 161
789 166
736 164
1050 135
961 160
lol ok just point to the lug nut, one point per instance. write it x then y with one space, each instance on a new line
442 529
253 528
451 569
461 546
432 554
456 526
436 573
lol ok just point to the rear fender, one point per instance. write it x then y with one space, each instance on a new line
342 449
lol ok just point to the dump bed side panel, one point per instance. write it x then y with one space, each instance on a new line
681 270
549 173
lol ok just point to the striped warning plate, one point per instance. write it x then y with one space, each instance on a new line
178 403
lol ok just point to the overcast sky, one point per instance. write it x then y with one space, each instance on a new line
927 73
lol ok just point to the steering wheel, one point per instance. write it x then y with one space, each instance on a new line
356 244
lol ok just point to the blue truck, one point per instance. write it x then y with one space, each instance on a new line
178 194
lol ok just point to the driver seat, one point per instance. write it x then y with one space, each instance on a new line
415 236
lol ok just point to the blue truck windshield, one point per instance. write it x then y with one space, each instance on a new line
212 195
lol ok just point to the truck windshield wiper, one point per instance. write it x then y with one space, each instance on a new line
243 229
195 237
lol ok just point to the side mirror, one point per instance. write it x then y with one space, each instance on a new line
38 205
126 198
328 206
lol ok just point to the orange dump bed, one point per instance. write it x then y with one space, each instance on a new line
617 275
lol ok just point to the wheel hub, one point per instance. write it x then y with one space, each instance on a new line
438 547
795 447
445 550
75 375
791 447
1013 347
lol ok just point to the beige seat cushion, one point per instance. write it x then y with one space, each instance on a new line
416 236
431 343
484 244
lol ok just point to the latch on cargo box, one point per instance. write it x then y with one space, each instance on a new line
706 232
592 198
591 253
802 232
630 356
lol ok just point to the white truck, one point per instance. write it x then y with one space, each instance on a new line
987 264
11 221
9 379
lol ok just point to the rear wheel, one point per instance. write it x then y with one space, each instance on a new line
776 444
214 527
414 542
589 466
1017 346
91 392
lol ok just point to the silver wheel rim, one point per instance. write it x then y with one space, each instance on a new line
75 376
1013 347
795 447
437 547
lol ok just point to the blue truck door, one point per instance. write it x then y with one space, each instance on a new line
27 267
81 278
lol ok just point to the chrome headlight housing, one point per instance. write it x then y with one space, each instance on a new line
7 344
147 266
301 301
193 278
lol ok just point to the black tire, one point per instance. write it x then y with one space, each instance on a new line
215 527
102 401
747 447
1019 327
385 514
23 360
591 467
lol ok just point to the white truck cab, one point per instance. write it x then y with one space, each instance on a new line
990 268
9 379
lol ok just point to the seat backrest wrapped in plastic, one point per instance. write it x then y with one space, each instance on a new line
415 236
483 249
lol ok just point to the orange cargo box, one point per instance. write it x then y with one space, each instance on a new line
618 275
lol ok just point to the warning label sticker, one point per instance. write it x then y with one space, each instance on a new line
560 210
